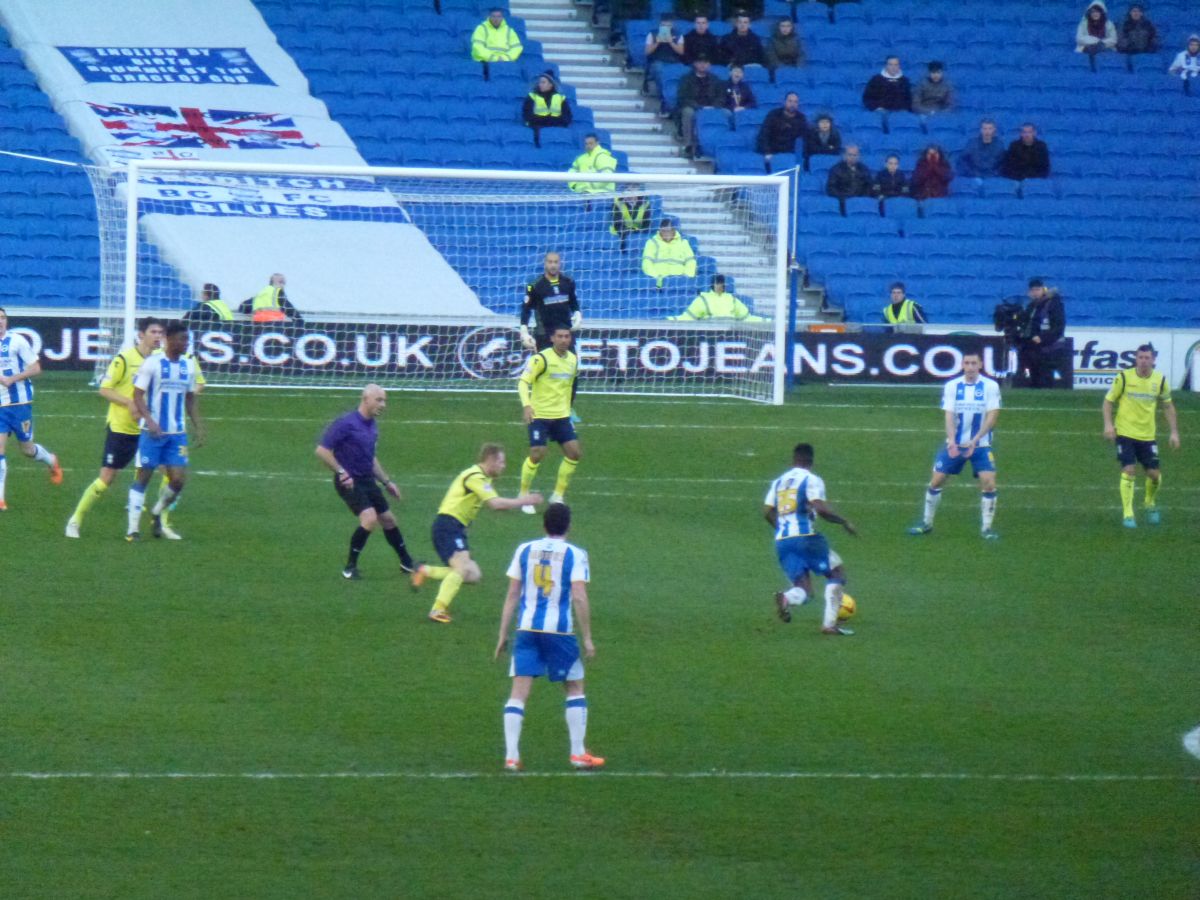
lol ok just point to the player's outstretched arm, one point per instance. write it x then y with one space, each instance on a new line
827 512
510 605
501 503
583 615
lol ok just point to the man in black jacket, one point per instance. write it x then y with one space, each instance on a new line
890 90
700 42
742 47
1041 344
849 178
781 129
1026 157
697 89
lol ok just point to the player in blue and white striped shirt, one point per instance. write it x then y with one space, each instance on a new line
794 502
971 403
18 364
547 591
163 391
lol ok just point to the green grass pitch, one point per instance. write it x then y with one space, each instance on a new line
1007 722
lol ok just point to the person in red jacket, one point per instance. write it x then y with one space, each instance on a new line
932 176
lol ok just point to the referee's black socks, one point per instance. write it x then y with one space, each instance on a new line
396 539
358 540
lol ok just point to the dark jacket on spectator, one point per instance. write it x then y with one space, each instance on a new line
742 50
1047 320
784 50
697 92
883 92
814 146
739 94
695 45
847 181
779 132
890 184
1021 161
1137 37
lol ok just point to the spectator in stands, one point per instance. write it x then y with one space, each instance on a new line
889 91
545 107
630 214
1187 63
1137 35
667 255
849 178
494 40
594 158
935 94
784 48
1026 157
1095 33
902 310
700 42
738 93
716 303
982 156
271 303
698 88
822 140
781 129
932 176
742 47
664 47
1041 343
210 308
890 181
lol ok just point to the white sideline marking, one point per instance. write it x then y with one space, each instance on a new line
1191 742
715 774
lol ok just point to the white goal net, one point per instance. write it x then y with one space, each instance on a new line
415 278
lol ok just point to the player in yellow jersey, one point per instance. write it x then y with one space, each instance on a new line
121 436
470 491
545 390
1138 393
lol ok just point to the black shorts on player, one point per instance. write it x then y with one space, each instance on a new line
1130 452
119 449
449 536
543 431
363 493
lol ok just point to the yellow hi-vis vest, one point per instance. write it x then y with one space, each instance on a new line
907 314
542 110
219 309
711 305
633 215
490 44
661 259
598 160
267 298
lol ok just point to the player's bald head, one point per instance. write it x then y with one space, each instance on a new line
373 390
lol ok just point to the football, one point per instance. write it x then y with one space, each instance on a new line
848 608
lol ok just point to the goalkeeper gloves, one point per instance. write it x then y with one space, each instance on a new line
527 340
576 319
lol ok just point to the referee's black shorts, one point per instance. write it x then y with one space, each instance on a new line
364 493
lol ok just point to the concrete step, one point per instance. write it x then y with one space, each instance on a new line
609 104
549 14
661 170
575 53
600 82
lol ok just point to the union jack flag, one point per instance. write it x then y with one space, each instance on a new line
134 125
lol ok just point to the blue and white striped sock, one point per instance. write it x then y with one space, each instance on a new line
577 723
514 718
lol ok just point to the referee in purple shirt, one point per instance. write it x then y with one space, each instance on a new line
348 449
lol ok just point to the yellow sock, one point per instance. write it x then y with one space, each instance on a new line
450 585
528 473
437 573
94 492
1152 487
1127 495
565 471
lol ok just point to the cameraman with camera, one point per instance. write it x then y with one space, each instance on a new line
1041 343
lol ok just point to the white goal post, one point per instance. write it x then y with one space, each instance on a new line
414 278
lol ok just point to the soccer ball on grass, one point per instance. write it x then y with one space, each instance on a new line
848 608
